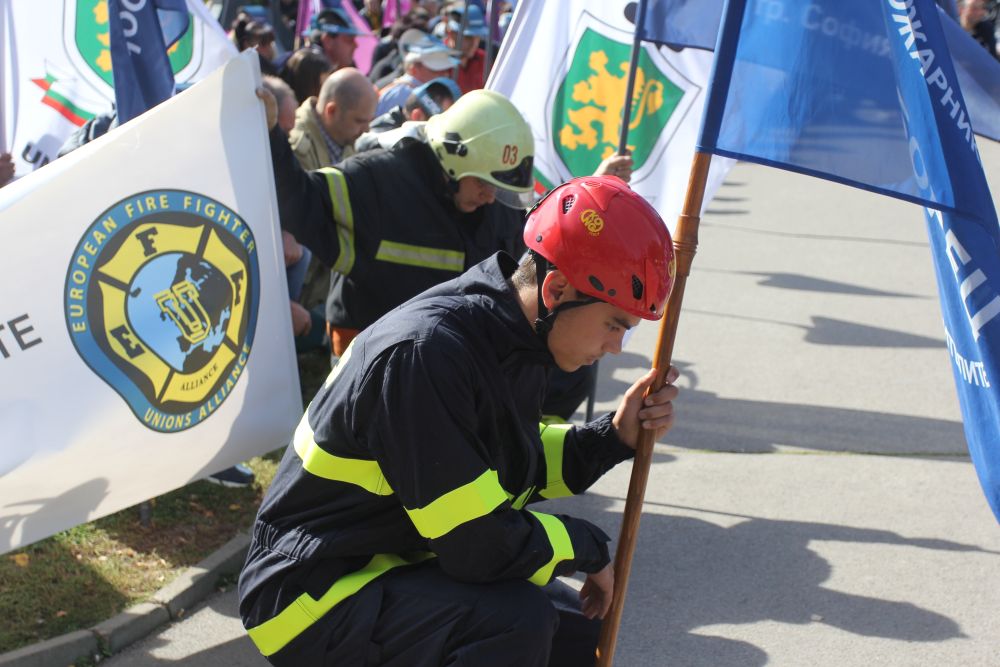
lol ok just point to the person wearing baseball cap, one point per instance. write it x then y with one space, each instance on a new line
425 60
464 32
334 33
425 102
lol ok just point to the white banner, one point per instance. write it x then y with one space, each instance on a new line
145 336
565 66
55 70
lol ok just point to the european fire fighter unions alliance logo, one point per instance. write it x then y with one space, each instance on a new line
161 302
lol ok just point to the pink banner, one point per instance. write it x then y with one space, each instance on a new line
389 12
366 43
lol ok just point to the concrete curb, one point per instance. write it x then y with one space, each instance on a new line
109 637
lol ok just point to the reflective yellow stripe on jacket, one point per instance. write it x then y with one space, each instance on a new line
361 472
553 440
272 635
415 255
365 473
469 501
562 547
344 218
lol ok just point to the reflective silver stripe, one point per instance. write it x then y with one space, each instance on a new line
414 255
343 216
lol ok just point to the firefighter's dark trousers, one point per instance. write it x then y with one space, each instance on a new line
420 617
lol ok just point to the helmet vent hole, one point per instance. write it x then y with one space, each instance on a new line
636 288
596 283
567 203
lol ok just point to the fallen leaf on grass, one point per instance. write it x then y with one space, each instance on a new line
21 560
234 507
61 613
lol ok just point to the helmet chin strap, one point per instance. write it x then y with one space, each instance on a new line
546 318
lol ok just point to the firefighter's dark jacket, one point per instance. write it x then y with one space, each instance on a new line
425 442
384 221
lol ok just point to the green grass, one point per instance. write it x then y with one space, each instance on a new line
82 576
87 574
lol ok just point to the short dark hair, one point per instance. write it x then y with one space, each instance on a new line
249 31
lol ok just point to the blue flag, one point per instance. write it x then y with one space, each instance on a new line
695 24
141 32
881 111
683 23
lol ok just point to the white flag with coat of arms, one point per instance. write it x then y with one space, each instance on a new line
55 70
565 66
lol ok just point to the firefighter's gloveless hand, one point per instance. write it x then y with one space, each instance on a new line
597 592
655 412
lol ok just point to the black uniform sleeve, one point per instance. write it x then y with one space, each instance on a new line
304 204
423 432
577 456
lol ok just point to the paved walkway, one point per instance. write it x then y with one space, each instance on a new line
814 505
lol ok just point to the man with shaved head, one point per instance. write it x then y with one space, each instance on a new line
326 126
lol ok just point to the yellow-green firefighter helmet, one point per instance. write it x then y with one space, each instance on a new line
482 134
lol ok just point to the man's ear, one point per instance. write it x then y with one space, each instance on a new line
418 114
329 110
556 289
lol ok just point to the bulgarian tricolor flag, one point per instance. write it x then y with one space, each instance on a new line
61 94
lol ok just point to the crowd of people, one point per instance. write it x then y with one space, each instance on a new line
367 136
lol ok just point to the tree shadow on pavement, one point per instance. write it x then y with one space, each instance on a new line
708 422
689 574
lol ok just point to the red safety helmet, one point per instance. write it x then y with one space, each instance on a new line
608 242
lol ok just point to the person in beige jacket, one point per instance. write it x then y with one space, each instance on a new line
327 126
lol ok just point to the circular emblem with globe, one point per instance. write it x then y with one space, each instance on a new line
183 327
161 302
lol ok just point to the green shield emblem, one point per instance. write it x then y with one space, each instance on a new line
93 40
587 109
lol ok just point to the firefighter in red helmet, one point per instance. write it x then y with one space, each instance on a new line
397 530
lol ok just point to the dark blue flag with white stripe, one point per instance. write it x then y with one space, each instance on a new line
141 32
865 93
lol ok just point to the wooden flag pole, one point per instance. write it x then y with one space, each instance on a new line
685 245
